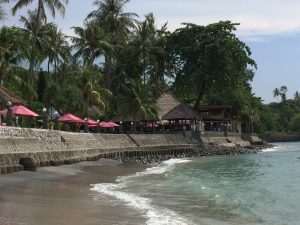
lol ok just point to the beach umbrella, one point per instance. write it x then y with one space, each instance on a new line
112 124
19 110
70 118
3 112
92 123
104 125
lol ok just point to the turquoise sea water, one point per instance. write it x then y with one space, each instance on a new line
247 189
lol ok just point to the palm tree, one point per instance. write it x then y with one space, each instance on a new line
283 91
57 48
116 23
12 55
40 37
297 95
2 12
92 92
250 117
53 6
90 43
135 101
276 92
143 39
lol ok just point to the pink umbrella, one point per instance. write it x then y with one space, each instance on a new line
19 110
91 123
104 125
3 112
112 124
69 118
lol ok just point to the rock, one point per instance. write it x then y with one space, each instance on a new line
55 163
43 164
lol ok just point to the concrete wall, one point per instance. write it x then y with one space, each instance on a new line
230 141
48 147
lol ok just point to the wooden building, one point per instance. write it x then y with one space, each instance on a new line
219 119
175 115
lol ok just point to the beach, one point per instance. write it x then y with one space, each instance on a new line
250 189
62 195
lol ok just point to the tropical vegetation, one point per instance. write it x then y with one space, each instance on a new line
118 64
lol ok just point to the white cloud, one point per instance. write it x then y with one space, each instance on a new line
257 17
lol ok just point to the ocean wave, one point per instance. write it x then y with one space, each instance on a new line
155 215
160 169
274 149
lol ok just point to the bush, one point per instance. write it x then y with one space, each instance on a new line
295 123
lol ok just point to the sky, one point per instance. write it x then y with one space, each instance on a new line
271 28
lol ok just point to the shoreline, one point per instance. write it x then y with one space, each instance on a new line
31 198
65 191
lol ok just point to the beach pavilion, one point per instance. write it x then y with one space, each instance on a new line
173 116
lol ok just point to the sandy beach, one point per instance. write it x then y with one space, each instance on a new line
62 196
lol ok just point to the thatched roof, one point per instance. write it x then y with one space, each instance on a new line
119 118
165 104
171 109
6 96
181 112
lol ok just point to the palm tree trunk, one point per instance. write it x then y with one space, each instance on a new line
144 70
49 65
200 95
108 72
55 71
33 44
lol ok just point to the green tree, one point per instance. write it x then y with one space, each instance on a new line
90 43
149 44
276 93
92 92
57 48
40 18
39 36
135 101
297 95
250 117
41 85
283 91
295 123
117 24
203 57
74 103
2 12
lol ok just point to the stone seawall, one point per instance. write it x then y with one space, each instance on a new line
31 148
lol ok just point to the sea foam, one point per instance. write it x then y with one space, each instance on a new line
155 215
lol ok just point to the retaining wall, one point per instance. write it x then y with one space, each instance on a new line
48 147
230 141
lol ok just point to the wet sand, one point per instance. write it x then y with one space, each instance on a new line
62 196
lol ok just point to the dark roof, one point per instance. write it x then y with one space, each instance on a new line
171 109
181 112
6 96
166 103
214 107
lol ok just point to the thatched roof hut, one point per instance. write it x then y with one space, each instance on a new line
171 109
6 96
